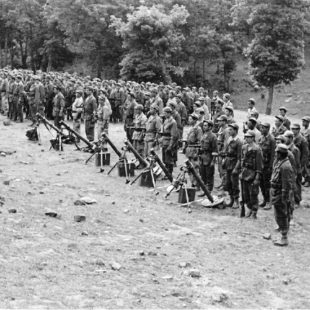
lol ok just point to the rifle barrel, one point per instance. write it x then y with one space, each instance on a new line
115 149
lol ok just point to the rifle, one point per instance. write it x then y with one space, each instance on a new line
162 165
242 211
90 146
192 170
141 160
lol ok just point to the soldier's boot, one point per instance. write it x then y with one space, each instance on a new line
248 212
254 215
236 204
267 206
283 241
230 203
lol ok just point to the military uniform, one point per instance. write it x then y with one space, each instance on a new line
192 150
104 111
267 144
281 185
129 112
231 166
251 170
90 108
152 129
306 169
139 133
208 147
170 137
58 108
77 110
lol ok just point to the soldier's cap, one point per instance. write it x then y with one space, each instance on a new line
222 118
132 95
295 126
179 95
229 108
234 126
102 90
139 107
172 104
250 134
227 96
252 100
154 90
147 94
283 108
19 76
253 119
282 148
209 122
254 114
197 103
288 134
306 119
194 115
266 125
220 101
155 107
200 111
148 83
118 84
187 88
281 138
201 98
167 110
79 91
280 118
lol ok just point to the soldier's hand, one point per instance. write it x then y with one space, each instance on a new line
235 171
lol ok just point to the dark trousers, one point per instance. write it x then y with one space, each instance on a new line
250 194
57 119
297 190
265 184
90 130
231 183
207 176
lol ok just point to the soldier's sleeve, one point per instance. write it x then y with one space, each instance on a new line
42 92
158 124
272 151
304 152
199 133
286 172
174 134
259 161
239 152
214 144
94 105
143 121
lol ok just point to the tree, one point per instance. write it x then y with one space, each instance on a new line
151 38
276 52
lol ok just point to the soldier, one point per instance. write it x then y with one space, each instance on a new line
19 93
306 133
139 129
90 109
204 105
214 101
227 102
37 97
129 111
4 89
12 98
251 107
59 106
177 118
156 99
279 128
152 129
286 121
207 153
267 144
77 110
296 152
303 146
170 137
281 185
231 165
217 113
251 170
193 145
181 109
229 112
104 112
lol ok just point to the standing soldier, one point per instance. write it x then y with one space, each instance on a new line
303 146
90 109
251 170
139 129
19 90
12 98
104 112
181 109
193 145
295 151
156 99
59 106
267 144
306 133
207 153
286 121
217 113
281 185
279 128
152 129
77 110
129 112
37 94
231 165
170 137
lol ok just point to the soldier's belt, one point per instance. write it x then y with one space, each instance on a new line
163 134
276 186
139 129
194 145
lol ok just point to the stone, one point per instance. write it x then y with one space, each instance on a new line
305 204
267 236
116 266
168 277
218 295
51 214
126 211
184 265
7 122
79 218
151 253
84 233
2 154
85 201
194 273
12 210
6 182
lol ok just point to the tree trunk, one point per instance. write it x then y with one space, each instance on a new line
195 73
270 99
203 72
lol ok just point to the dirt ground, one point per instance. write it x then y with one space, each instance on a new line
135 249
